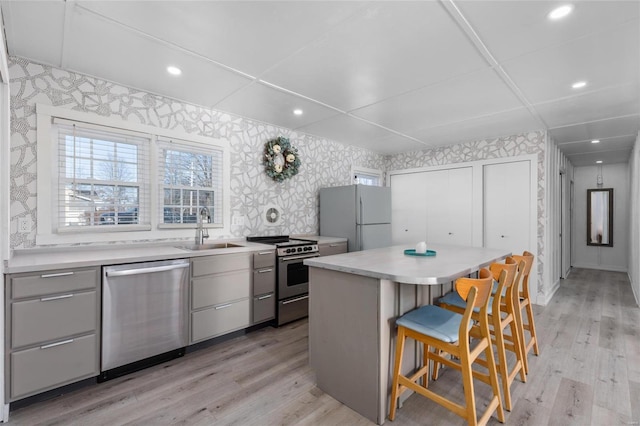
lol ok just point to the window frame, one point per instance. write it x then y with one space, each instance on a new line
47 182
143 172
367 171
180 144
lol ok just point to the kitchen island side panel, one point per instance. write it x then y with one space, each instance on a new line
344 338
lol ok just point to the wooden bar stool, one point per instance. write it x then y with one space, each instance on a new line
524 302
502 314
449 332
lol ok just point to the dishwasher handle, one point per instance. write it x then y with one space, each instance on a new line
138 271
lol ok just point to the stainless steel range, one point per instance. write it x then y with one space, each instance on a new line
292 275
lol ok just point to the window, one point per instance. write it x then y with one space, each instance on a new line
191 182
365 176
102 177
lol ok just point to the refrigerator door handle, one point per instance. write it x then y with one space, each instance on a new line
360 227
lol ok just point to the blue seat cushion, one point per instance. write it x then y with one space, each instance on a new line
433 321
454 299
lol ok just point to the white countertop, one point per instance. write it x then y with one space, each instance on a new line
390 263
40 259
320 239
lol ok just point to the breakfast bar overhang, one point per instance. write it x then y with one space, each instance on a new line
354 300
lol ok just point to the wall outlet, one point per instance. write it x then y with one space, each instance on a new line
24 224
237 220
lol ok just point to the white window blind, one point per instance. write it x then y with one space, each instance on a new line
103 178
190 180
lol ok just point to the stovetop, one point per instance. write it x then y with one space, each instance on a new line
286 245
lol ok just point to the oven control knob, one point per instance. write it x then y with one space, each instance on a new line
299 248
290 250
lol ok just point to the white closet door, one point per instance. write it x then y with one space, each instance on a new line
449 208
507 206
437 196
460 202
408 209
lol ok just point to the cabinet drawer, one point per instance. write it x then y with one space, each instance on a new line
264 307
264 259
53 282
41 368
51 318
333 248
220 288
264 280
220 320
220 263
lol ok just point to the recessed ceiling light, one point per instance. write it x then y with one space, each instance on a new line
595 141
560 12
579 84
599 162
174 70
297 111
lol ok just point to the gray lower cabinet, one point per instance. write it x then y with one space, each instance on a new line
52 329
264 286
329 249
220 295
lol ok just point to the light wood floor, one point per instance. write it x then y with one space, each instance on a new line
588 373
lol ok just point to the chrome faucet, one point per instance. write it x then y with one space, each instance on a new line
201 232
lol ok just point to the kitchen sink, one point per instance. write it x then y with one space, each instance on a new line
211 246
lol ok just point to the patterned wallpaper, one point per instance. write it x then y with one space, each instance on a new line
510 146
324 162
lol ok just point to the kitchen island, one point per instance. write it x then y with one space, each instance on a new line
354 300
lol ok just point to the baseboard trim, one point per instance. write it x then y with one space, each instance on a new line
633 289
601 267
553 291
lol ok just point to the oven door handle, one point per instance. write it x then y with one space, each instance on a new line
297 299
303 256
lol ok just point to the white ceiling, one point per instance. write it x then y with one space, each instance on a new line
390 76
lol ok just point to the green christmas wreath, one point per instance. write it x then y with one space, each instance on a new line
281 160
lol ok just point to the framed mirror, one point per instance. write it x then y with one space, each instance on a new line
600 217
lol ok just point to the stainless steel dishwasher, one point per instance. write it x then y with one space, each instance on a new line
144 315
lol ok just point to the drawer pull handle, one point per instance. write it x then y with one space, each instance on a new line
52 345
64 296
297 299
262 253
263 271
224 306
139 271
265 297
60 274
335 245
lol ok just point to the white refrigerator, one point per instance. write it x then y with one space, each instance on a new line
360 213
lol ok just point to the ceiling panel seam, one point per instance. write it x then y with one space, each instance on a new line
7 17
595 121
315 40
609 151
66 28
475 117
590 92
168 43
282 89
228 68
468 29
601 139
